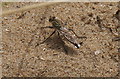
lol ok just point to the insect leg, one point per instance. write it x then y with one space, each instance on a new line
77 35
47 27
46 38
63 44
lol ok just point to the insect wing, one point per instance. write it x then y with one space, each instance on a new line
69 35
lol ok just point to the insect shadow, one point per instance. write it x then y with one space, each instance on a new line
58 44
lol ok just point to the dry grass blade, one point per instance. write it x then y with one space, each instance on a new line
27 8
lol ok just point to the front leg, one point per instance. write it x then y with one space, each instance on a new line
46 38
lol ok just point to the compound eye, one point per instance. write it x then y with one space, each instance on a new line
51 19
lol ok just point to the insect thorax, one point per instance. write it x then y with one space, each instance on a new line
56 24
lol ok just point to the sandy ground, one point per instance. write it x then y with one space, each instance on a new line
97 57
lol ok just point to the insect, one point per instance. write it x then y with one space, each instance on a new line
63 32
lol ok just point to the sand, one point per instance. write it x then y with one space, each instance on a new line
97 56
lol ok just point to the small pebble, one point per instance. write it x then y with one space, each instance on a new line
97 52
5 18
7 30
44 49
42 58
